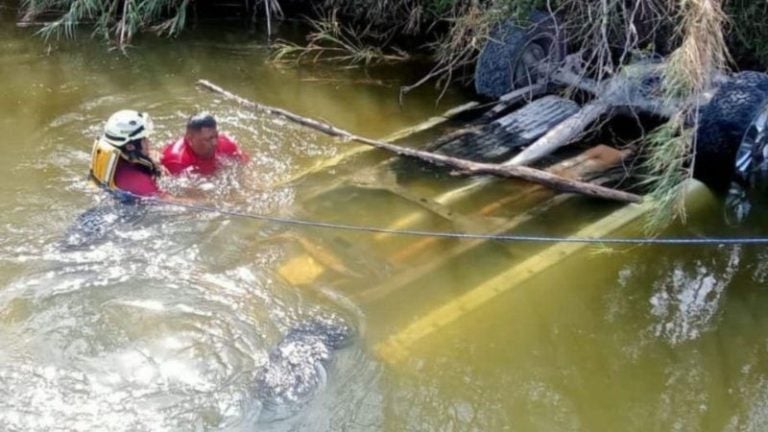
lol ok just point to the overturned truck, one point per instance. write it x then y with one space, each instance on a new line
729 119
395 278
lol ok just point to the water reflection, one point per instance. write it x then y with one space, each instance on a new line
688 294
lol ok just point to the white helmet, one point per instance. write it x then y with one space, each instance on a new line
125 126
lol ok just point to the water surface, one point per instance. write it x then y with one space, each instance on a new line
162 322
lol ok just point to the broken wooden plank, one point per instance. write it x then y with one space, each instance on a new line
417 247
500 139
584 165
301 269
562 134
430 207
580 167
468 167
397 347
316 259
596 159
406 254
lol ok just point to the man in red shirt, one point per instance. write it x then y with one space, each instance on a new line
202 149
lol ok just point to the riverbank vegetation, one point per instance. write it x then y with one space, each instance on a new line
694 36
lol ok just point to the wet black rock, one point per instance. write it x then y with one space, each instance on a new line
297 366
96 223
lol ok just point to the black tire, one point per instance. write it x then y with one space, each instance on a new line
722 124
500 67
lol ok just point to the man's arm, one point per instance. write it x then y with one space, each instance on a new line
230 148
173 166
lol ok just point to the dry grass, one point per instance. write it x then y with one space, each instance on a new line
702 52
611 33
114 20
688 73
606 32
669 155
457 51
331 42
117 21
748 32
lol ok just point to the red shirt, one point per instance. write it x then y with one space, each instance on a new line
130 178
178 156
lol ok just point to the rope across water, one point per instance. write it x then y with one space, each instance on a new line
465 236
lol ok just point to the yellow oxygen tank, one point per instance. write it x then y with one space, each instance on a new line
104 158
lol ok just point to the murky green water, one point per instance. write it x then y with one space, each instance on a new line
163 322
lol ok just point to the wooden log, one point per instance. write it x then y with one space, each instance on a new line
469 167
400 134
562 134
618 92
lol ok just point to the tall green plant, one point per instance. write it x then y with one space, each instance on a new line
668 164
114 20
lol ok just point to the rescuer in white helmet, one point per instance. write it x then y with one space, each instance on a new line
120 157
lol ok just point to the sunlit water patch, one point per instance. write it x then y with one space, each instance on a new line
96 347
144 325
686 296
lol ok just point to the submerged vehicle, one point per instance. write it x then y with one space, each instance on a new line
527 71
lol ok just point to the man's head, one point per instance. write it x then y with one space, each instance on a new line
202 135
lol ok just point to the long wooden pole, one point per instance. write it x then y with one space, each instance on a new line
562 134
469 167
609 95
